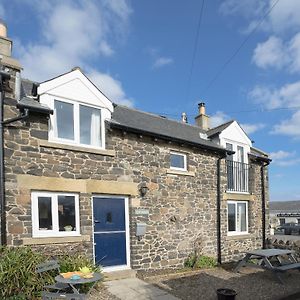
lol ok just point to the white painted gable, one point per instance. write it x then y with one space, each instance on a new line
235 133
74 86
236 136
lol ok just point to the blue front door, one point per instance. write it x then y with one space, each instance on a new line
109 231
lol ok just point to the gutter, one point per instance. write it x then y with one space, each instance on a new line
219 237
24 114
263 203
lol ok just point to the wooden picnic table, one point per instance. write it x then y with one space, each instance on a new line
270 259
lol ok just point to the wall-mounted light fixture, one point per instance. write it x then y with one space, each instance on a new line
143 189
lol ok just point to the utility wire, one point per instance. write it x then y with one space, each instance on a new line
240 111
194 51
227 62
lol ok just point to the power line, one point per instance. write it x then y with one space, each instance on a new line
195 50
262 110
227 62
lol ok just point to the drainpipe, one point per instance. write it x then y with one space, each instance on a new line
4 77
219 252
263 203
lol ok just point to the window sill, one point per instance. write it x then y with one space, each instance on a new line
56 240
238 196
184 173
241 236
47 144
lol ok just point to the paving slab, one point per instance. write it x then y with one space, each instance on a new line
134 288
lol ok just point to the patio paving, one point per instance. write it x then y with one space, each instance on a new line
134 288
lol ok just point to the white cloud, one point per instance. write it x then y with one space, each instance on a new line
76 33
274 53
286 96
251 128
270 54
162 61
289 127
111 87
281 154
218 118
284 158
284 16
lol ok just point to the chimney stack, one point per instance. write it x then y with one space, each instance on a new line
184 117
8 63
202 120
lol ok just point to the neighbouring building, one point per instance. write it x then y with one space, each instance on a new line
282 212
129 188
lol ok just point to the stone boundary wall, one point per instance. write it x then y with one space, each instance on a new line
277 242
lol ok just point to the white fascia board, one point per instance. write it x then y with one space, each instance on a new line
77 87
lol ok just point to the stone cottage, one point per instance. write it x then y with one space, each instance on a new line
131 189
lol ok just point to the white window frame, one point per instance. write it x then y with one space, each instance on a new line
36 232
230 233
76 117
184 161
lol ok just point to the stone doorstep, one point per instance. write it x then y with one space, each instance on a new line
117 275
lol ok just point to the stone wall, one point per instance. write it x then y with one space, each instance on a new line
182 208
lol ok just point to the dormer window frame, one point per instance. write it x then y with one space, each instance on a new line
53 134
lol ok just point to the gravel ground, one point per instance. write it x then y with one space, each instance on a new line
100 292
249 284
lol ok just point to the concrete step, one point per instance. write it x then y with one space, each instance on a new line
117 275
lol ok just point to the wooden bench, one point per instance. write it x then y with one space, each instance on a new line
287 267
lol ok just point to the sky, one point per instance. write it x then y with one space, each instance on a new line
243 61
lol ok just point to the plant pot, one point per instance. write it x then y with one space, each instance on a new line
226 294
68 228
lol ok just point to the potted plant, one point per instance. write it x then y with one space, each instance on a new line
68 228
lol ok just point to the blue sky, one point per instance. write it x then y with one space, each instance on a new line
140 54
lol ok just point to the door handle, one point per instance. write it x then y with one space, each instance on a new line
96 221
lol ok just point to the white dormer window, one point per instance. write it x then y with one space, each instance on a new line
178 161
76 123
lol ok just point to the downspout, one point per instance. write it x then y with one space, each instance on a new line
5 77
219 251
263 203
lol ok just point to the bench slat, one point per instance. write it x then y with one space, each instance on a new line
288 267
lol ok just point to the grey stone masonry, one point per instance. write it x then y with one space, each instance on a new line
182 208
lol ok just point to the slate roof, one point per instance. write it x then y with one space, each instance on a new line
155 125
257 153
218 129
28 102
285 206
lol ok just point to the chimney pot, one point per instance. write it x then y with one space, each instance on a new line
201 107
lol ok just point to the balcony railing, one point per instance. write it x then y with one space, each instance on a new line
237 176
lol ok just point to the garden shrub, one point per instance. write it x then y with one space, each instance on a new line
205 262
190 261
18 277
200 261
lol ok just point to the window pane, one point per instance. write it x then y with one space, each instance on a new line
229 147
177 161
64 120
90 126
240 154
231 217
241 214
45 213
66 213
